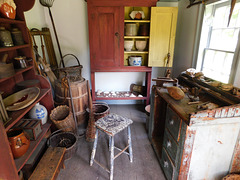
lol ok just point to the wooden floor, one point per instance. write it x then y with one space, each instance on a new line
145 165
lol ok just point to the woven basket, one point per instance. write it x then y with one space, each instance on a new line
74 73
64 139
62 117
100 109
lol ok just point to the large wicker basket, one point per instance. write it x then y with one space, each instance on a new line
62 117
64 139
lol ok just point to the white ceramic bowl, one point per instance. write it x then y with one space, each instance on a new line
135 60
128 45
141 45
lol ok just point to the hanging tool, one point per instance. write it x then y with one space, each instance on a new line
192 3
48 4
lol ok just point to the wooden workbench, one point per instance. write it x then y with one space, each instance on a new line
192 143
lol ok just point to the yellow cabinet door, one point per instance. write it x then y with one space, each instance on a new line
162 36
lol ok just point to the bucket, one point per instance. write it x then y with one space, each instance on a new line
79 97
64 139
62 117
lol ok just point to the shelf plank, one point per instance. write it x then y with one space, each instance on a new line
121 98
17 115
3 49
136 37
33 145
17 72
11 21
135 52
137 21
121 95
125 69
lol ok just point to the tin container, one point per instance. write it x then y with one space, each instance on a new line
19 62
5 38
17 37
131 29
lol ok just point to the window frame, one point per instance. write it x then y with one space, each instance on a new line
236 58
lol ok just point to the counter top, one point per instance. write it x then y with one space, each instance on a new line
192 116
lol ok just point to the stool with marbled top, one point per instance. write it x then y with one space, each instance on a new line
111 125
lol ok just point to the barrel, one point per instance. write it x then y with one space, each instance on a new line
79 97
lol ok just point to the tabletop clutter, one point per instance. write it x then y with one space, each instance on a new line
193 93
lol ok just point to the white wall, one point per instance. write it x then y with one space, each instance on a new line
70 18
185 37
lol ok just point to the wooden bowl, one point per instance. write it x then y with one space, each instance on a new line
175 92
21 99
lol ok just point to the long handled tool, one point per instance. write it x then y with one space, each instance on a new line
90 133
73 109
49 3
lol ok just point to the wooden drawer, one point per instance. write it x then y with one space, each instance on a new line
173 123
167 165
170 145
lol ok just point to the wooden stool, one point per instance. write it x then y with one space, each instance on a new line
111 125
49 165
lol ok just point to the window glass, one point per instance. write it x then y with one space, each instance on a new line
218 41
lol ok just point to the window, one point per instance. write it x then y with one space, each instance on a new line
218 48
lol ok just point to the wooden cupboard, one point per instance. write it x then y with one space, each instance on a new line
9 167
191 143
107 21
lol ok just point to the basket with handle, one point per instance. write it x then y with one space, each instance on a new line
74 73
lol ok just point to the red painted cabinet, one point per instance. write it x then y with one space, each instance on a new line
105 35
106 23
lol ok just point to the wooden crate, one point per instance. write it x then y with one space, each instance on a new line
33 127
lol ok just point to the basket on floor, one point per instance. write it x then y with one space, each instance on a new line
64 139
100 109
62 117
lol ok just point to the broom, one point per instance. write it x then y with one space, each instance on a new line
91 130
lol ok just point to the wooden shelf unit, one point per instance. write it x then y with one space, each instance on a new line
17 115
9 167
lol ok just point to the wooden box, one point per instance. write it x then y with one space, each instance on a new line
33 127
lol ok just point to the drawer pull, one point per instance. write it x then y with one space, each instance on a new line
165 164
171 122
169 144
